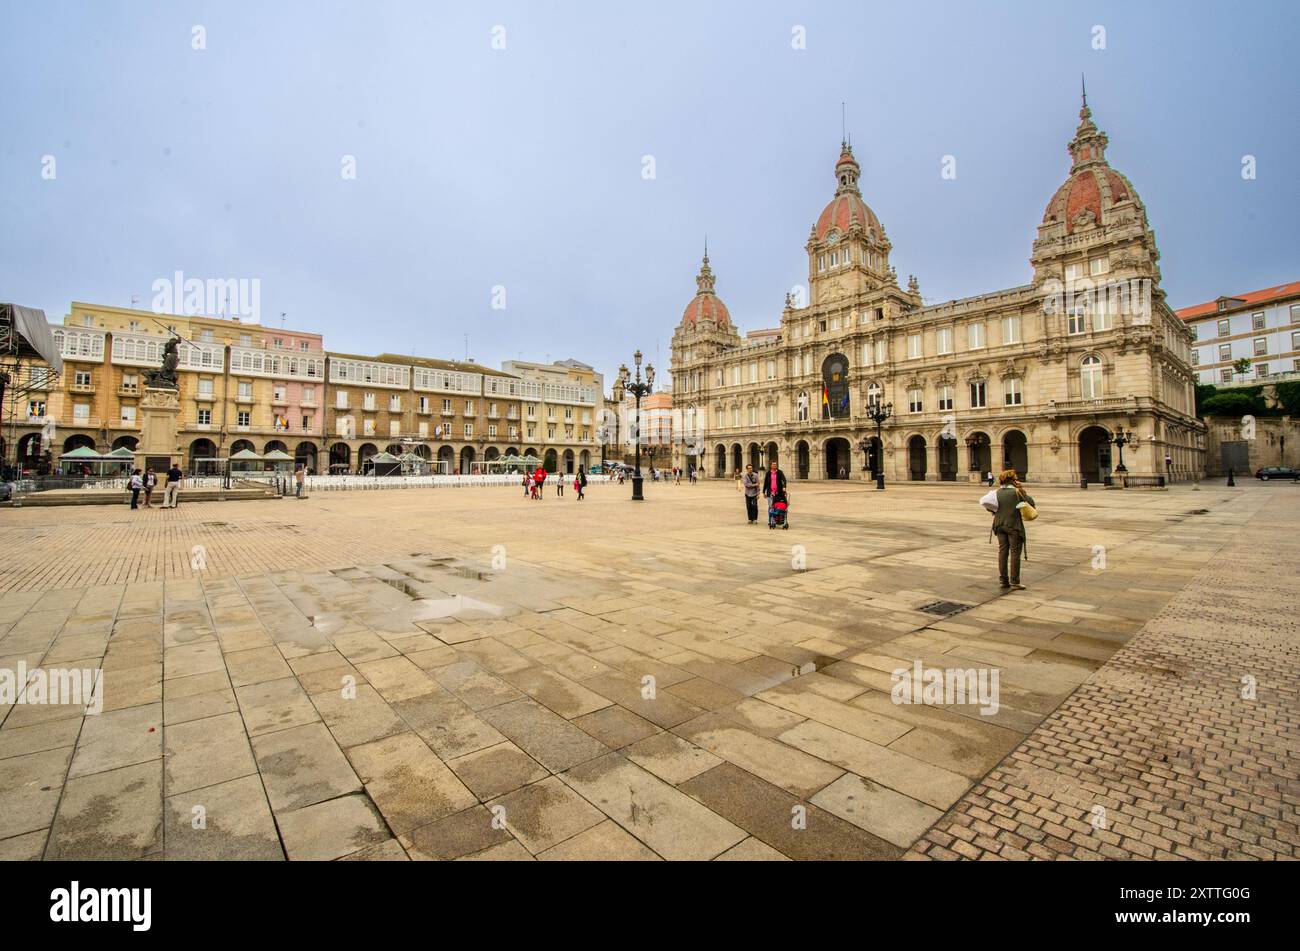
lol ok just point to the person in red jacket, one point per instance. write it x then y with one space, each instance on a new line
539 479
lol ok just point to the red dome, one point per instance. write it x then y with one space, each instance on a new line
706 306
1091 188
841 212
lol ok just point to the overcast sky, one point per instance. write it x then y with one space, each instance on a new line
524 168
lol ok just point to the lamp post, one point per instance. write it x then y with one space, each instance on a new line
638 389
879 412
1121 439
865 445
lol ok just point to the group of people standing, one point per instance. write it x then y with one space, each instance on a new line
534 483
145 482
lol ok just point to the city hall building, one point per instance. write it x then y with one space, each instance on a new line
1055 378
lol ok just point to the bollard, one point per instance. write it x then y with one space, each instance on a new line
1083 483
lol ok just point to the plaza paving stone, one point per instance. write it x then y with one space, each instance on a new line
352 676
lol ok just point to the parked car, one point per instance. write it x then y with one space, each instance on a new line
1277 472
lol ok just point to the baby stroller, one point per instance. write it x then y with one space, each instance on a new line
779 514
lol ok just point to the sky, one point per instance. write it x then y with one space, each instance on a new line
535 180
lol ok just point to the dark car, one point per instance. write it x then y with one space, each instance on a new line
1277 472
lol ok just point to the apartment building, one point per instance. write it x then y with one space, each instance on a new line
561 402
243 386
458 416
1261 327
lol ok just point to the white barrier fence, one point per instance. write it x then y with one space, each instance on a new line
333 483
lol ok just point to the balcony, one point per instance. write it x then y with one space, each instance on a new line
308 402
205 397
281 400
128 389
81 387
244 399
425 411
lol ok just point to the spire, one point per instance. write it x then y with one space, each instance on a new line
1088 147
847 169
704 280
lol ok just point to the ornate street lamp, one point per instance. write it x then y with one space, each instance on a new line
879 412
1122 439
638 389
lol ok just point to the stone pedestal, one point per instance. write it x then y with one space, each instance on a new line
159 414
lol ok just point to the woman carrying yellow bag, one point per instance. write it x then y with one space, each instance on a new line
1015 506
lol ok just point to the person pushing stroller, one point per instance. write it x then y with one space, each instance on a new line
778 499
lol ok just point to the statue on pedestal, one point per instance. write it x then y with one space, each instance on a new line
164 378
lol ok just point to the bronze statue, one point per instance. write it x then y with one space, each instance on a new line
164 378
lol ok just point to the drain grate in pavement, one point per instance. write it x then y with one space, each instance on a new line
943 608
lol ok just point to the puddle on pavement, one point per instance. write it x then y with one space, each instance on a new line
403 586
812 666
448 608
456 606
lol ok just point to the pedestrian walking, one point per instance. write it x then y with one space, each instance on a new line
559 484
1009 526
539 482
580 484
135 484
150 480
528 486
172 492
749 485
774 485
300 477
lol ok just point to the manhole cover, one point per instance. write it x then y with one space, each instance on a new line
943 608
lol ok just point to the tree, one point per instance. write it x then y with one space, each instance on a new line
1242 367
1229 404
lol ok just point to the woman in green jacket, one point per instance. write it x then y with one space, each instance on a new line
1010 528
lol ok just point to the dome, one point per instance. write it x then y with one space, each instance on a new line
847 207
841 212
1093 187
705 305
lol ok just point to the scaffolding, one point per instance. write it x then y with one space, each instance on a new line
30 363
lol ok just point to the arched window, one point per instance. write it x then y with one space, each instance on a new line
1090 381
873 394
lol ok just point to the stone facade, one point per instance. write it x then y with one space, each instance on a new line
1266 440
1039 377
